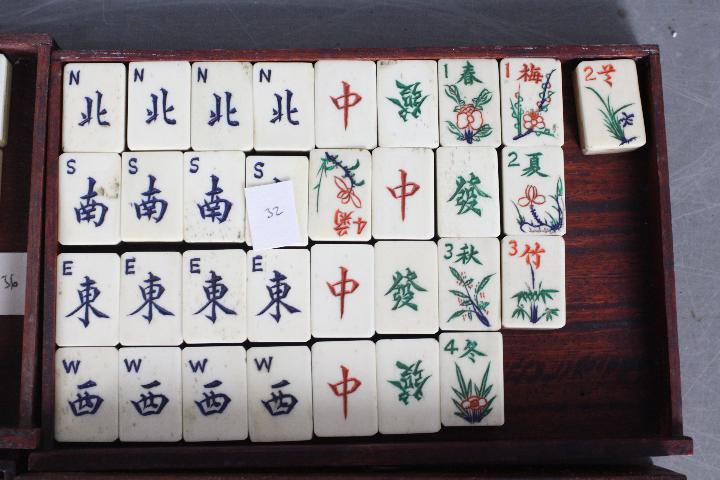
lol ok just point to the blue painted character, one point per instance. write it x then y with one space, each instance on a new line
87 293
100 111
150 403
213 403
151 207
214 291
85 403
152 115
215 115
280 403
90 210
215 207
278 291
277 112
151 292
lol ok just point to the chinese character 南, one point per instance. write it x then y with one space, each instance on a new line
404 288
85 403
467 193
150 403
278 291
90 210
411 382
151 292
87 294
345 387
216 115
151 207
214 291
214 207
280 403
411 99
212 403
99 111
152 114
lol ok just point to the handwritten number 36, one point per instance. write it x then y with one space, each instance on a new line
273 212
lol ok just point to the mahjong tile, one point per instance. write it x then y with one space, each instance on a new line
5 84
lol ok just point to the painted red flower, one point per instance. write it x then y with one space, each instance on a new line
531 197
346 193
533 119
469 117
474 403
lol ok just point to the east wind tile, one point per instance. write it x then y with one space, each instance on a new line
340 186
89 199
5 83
94 107
88 299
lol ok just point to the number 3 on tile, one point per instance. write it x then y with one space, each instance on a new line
273 212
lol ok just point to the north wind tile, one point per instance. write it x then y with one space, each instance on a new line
5 84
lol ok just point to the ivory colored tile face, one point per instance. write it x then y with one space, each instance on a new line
214 197
403 193
88 299
214 389
533 282
469 283
533 191
86 394
340 195
608 106
471 379
152 197
89 199
407 95
468 192
214 296
279 394
222 106
5 84
283 106
345 105
342 291
408 382
94 107
158 106
150 394
469 102
531 101
278 295
150 298
262 170
406 289
344 389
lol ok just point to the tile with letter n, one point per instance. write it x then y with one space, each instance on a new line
94 107
150 394
469 102
213 296
158 106
279 394
86 394
214 394
222 106
88 299
284 106
150 298
344 389
468 192
89 199
152 197
407 94
5 84
533 191
472 392
469 283
213 195
278 295
533 282
531 102
406 288
340 195
408 382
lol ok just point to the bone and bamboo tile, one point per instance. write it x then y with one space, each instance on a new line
5 88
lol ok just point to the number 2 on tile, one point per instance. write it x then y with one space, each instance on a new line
273 212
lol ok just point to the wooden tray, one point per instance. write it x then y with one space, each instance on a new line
607 385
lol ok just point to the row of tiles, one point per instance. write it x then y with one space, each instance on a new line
331 291
342 389
340 195
337 103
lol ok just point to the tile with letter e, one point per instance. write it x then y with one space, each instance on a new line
214 388
533 191
403 193
531 102
283 106
213 298
86 394
340 195
150 394
609 109
150 298
89 199
469 102
469 283
344 389
407 94
88 299
221 106
94 107
408 383
5 84
345 104
341 286
278 295
152 197
406 288
468 192
279 394
533 282
158 106
472 393
214 199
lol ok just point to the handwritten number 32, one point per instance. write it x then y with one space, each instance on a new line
273 212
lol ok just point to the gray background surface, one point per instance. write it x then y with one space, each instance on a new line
691 77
